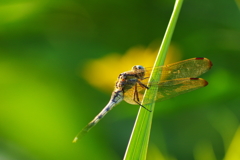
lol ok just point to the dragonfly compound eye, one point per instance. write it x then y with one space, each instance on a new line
137 67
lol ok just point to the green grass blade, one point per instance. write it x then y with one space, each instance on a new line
138 143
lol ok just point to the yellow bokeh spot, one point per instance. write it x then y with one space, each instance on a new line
102 73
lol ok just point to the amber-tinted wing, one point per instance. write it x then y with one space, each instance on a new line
176 74
168 89
193 68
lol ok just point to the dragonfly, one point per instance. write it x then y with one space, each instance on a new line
176 79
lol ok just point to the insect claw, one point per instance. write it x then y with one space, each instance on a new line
146 108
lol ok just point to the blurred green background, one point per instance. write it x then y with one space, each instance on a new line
45 99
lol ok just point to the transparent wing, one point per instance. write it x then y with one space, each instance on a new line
193 67
178 75
168 89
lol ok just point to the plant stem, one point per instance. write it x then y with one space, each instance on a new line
138 143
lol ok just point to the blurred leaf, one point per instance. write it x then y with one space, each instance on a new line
204 151
233 152
17 11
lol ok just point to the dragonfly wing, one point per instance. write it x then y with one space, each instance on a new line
167 89
193 67
172 88
174 79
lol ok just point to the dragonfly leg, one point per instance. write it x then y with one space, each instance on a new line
136 98
142 85
135 95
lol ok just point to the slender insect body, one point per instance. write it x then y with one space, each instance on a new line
177 78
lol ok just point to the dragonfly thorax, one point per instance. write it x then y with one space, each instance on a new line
125 81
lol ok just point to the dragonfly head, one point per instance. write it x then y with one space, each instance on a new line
139 70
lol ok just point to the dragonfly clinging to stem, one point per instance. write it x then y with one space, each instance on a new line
177 78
